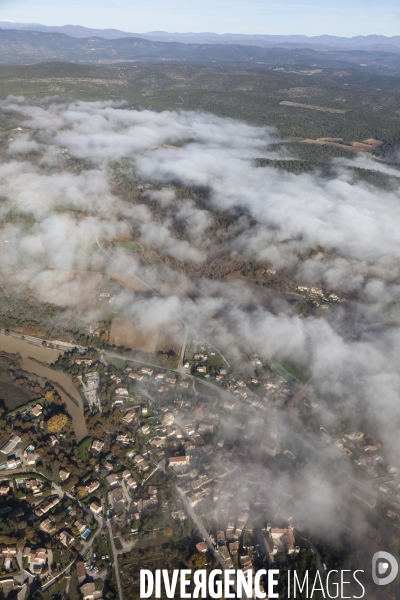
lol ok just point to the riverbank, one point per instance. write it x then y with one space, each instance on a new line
33 360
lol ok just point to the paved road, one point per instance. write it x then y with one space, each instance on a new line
204 533
115 556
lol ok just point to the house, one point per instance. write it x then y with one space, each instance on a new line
37 410
63 474
122 391
135 376
128 418
117 495
47 527
178 462
80 571
92 487
229 404
34 486
8 551
97 445
80 525
131 483
109 465
280 540
141 463
198 439
126 474
147 371
201 547
145 429
46 505
123 439
157 443
66 538
37 559
4 488
168 418
53 440
179 515
354 436
13 462
234 547
88 591
112 479
201 369
95 507
11 445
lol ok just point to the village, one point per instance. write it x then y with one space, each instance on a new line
165 448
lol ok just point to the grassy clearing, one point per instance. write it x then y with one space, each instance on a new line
57 589
131 246
13 395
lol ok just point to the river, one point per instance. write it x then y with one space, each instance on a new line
46 355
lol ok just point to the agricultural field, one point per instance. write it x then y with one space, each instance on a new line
129 246
13 396
125 333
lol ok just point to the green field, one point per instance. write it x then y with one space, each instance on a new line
12 395
131 246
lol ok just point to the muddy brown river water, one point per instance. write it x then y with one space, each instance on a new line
46 355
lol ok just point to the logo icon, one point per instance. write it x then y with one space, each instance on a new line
384 568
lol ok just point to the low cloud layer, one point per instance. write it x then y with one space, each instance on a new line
52 218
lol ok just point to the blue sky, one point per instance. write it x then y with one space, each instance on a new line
311 17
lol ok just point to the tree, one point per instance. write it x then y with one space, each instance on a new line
57 423
81 491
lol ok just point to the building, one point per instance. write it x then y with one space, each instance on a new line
131 483
92 487
4 488
234 547
145 429
13 462
88 591
128 418
37 410
80 525
80 571
46 505
117 495
47 527
112 479
178 463
201 547
97 445
157 443
122 391
8 551
66 538
277 540
95 507
63 474
11 445
37 559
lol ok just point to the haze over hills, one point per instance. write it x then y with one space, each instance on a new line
368 42
25 47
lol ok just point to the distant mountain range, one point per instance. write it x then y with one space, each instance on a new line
26 47
370 43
